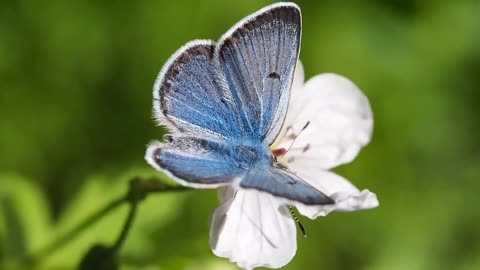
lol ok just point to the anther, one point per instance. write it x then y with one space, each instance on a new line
305 148
279 152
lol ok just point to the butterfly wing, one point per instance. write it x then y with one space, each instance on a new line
214 97
224 94
282 183
188 97
194 161
258 57
194 105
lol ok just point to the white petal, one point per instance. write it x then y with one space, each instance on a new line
340 123
346 196
298 77
253 229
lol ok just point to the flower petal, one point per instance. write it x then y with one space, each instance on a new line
346 196
340 123
298 77
253 229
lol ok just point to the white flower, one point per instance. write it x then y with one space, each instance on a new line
254 228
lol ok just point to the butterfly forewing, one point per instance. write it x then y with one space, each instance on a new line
258 57
188 97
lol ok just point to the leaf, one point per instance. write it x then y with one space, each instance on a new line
26 216
15 243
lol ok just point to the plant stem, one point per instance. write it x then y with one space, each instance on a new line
126 227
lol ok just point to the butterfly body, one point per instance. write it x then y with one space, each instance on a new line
252 156
224 104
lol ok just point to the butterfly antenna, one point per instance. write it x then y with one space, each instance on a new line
298 222
295 138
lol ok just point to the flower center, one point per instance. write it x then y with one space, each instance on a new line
288 135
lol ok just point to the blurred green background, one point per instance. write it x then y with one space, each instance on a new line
75 118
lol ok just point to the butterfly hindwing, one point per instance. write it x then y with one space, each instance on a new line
282 183
194 161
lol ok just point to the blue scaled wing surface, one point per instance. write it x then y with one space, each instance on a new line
257 57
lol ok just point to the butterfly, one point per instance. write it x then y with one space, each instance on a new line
224 103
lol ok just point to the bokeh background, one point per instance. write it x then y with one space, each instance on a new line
75 118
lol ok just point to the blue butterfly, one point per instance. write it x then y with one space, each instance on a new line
224 103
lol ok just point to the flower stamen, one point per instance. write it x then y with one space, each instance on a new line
294 137
305 148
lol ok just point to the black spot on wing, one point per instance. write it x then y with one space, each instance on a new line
274 75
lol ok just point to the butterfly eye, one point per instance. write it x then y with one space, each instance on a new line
168 138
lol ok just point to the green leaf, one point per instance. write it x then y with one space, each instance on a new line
26 217
15 243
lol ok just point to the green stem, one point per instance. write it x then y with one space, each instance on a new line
126 227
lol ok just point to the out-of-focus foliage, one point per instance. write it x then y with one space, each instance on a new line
75 116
